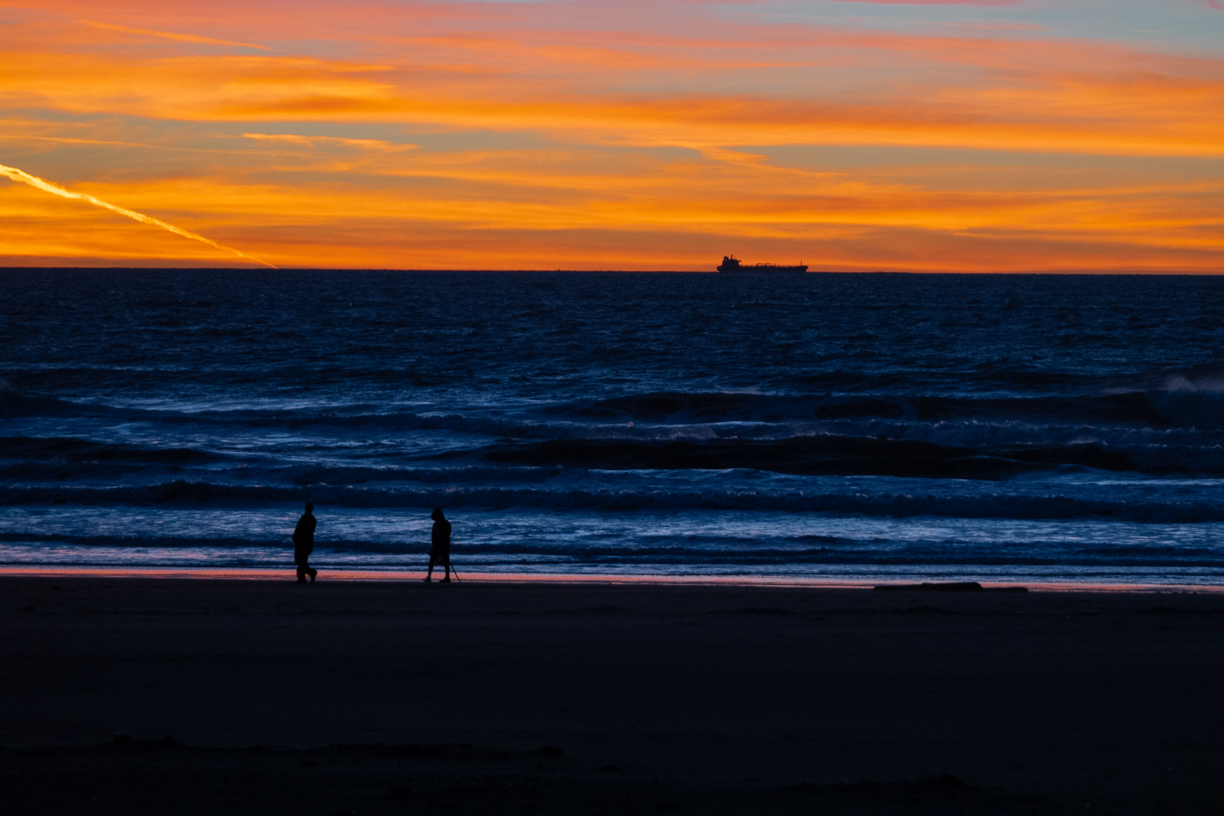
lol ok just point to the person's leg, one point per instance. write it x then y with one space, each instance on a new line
301 573
446 580
429 575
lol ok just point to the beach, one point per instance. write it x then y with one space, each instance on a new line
125 694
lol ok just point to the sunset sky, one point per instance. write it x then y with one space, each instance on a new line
996 135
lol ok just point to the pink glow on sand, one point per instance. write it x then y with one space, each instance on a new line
349 576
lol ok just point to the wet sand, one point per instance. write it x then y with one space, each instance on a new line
204 696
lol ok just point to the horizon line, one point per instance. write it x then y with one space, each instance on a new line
714 272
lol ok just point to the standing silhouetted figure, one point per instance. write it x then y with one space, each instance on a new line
439 550
303 544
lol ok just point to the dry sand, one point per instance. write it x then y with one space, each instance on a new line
224 696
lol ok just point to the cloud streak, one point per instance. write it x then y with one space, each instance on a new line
23 177
170 35
935 2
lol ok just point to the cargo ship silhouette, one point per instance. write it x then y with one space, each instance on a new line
731 265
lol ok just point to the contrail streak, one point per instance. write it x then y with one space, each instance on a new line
46 186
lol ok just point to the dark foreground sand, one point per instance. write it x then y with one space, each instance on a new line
372 698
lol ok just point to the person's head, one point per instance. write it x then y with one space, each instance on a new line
437 514
309 507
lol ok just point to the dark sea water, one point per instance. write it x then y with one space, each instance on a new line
1031 428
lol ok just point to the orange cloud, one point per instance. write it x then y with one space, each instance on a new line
315 141
1141 115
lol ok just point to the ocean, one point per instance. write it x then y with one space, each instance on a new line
839 427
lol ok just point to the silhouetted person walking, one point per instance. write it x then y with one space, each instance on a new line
439 550
303 544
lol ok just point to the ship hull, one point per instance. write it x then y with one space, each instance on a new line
763 269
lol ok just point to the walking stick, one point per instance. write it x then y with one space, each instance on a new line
454 572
